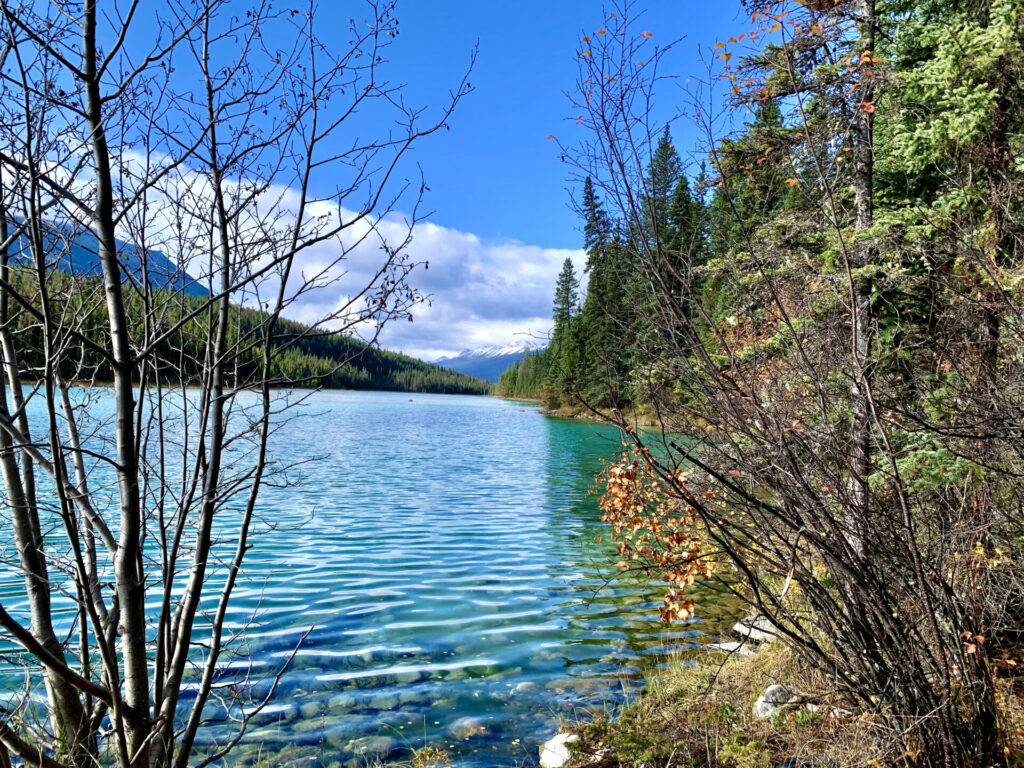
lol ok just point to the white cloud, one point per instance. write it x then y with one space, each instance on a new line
482 292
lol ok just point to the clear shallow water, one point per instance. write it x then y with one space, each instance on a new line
443 550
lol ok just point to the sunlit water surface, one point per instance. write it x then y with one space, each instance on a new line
443 550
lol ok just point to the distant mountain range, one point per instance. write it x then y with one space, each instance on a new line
488 361
81 258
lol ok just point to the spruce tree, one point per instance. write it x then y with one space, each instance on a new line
567 292
684 243
604 318
564 339
663 175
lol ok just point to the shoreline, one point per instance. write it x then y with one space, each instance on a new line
743 705
638 417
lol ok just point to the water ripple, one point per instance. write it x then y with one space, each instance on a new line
444 555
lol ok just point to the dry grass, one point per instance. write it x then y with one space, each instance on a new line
1010 699
701 715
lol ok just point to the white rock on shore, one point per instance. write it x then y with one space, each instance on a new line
774 699
733 646
756 629
554 753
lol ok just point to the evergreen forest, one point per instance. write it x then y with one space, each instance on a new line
301 356
818 306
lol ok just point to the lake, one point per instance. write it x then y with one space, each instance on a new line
443 550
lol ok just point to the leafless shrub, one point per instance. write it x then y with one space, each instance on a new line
261 171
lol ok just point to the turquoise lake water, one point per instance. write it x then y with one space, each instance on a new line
442 549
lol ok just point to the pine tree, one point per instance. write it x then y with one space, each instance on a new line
604 319
566 357
663 175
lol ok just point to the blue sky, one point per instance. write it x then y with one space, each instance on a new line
501 222
495 174
498 192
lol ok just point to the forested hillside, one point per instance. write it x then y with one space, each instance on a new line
823 309
302 357
526 378
598 354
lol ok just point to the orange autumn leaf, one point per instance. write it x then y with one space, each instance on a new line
655 527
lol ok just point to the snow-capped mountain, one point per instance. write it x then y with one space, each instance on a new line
488 361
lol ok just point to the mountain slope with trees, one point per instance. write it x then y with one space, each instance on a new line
300 356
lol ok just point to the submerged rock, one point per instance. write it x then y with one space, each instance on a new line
407 678
385 702
466 727
341 703
559 686
413 697
554 753
306 726
376 746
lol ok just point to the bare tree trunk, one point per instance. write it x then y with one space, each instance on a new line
85 164
69 718
128 562
215 373
861 323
